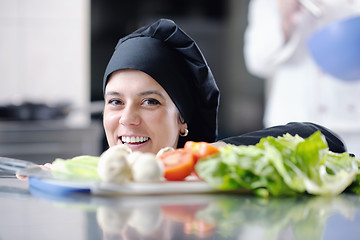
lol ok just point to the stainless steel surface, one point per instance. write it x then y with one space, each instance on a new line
36 215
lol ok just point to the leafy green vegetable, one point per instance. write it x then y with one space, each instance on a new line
282 166
81 167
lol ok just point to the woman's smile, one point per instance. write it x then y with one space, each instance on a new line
133 139
135 143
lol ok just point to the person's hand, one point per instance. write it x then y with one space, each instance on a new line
288 10
46 166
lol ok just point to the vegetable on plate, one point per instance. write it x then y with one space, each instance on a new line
200 149
276 166
281 166
178 164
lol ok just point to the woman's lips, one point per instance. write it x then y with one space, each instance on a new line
133 139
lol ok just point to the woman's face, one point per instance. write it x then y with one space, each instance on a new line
139 113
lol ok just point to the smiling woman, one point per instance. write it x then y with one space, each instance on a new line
160 92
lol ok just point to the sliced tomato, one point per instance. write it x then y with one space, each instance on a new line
200 149
178 164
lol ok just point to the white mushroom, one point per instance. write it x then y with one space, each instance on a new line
146 168
114 166
133 157
164 150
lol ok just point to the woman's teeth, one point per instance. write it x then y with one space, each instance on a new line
134 139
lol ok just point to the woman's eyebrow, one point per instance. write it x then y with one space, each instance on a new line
152 92
144 93
113 93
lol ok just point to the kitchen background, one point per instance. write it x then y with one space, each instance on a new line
53 54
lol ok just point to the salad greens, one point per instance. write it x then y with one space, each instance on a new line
282 166
81 166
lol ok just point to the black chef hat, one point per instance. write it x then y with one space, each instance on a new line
173 59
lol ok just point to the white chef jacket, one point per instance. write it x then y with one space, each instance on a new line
297 90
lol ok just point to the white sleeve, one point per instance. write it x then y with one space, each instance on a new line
263 37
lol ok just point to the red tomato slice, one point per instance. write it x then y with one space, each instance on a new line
200 149
178 164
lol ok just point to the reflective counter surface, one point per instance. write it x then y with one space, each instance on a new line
29 214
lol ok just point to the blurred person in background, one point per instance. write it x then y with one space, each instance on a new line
276 50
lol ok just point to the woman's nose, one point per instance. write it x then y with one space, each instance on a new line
129 116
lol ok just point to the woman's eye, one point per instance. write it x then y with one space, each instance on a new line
115 102
151 101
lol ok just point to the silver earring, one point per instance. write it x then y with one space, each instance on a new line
184 134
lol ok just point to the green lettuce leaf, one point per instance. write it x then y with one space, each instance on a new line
282 166
78 167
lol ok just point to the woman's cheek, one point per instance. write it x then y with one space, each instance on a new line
111 118
168 127
110 123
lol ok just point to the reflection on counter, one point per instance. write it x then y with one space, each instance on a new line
217 216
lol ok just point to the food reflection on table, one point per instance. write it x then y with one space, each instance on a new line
216 216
